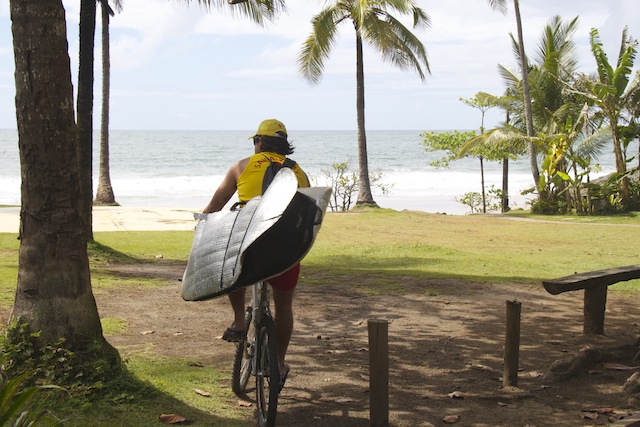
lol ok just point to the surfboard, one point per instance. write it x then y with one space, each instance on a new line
265 238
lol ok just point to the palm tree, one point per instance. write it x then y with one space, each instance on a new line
502 6
85 111
374 23
258 10
104 193
612 93
53 293
555 109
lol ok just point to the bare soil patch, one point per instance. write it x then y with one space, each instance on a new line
438 345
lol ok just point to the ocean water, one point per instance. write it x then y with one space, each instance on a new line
182 169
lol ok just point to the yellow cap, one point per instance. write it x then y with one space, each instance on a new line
271 127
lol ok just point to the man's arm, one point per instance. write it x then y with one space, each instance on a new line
227 188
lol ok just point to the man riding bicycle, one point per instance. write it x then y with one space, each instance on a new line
247 177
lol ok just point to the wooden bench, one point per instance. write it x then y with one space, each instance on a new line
595 285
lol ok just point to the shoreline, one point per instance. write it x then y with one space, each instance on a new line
119 218
138 218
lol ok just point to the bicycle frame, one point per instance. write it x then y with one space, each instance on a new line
260 301
257 356
259 307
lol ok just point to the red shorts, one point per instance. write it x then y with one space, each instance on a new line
287 281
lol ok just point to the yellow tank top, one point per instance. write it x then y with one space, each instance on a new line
250 180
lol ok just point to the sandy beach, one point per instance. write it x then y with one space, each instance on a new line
118 218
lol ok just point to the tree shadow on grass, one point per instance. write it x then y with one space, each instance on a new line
134 402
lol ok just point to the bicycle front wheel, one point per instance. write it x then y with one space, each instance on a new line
267 373
242 362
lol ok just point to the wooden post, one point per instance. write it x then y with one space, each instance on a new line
378 372
512 344
595 302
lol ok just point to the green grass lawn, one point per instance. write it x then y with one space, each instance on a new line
369 251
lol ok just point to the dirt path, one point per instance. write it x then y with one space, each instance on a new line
438 345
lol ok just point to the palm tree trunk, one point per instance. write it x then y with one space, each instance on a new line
53 293
527 99
364 186
621 166
104 193
85 112
484 196
505 185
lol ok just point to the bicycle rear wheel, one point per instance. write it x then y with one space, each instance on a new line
267 373
243 358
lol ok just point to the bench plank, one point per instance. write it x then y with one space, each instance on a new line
592 279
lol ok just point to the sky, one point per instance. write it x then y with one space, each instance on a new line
179 66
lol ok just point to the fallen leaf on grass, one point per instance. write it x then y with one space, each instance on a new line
345 400
590 416
244 403
197 364
365 377
202 392
172 419
146 332
456 395
451 419
502 404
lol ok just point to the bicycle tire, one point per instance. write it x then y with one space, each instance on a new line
242 363
267 373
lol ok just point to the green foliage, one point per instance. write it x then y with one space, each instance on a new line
344 185
449 143
83 372
474 200
18 405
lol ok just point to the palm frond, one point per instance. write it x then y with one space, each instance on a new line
259 11
605 71
397 44
593 146
500 5
506 136
625 65
317 47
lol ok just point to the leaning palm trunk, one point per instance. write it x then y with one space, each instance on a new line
527 100
104 193
364 186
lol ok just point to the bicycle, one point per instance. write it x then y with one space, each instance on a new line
257 355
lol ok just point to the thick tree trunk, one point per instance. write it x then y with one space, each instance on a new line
104 193
364 186
54 290
85 112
